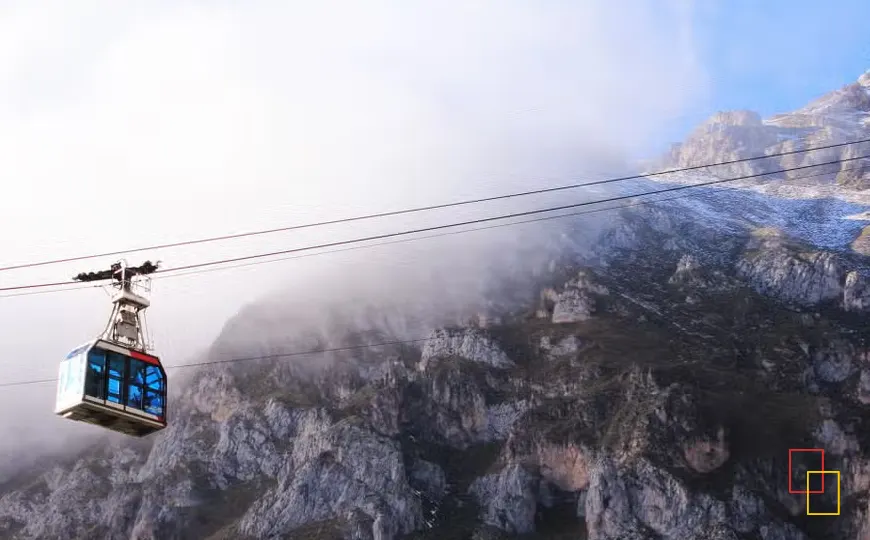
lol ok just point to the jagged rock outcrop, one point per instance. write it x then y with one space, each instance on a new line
688 272
774 267
777 266
854 173
566 466
640 500
837 361
727 136
321 468
836 117
692 273
459 408
509 499
861 244
856 292
334 470
467 343
576 302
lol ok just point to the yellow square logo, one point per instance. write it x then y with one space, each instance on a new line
809 512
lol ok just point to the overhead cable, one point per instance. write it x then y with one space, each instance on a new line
248 359
453 225
416 238
423 208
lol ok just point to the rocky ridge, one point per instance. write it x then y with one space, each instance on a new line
838 117
613 408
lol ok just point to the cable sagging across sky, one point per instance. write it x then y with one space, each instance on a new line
458 224
416 340
218 263
423 208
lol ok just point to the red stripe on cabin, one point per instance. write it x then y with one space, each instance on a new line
145 357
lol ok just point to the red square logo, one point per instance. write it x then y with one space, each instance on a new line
791 489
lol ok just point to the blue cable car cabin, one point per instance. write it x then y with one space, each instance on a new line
112 386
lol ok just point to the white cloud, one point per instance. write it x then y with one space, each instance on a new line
125 124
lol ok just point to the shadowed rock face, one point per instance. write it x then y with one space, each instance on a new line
856 293
790 273
647 417
467 343
862 242
577 300
728 136
706 456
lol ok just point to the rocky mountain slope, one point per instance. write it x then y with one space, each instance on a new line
649 388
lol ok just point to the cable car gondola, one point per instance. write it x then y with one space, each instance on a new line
113 381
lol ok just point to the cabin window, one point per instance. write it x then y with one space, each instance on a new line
96 376
116 377
154 390
127 381
136 383
145 387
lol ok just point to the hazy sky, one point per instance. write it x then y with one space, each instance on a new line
125 123
776 55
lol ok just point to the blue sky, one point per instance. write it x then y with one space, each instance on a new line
774 55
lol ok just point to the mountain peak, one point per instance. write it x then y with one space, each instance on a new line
736 118
839 115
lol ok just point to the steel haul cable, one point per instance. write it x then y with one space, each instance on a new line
427 208
501 217
416 238
460 224
386 343
251 358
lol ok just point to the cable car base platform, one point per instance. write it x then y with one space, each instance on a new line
110 418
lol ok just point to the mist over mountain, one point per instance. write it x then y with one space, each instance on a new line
179 121
637 376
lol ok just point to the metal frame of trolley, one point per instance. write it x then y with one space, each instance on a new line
113 381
